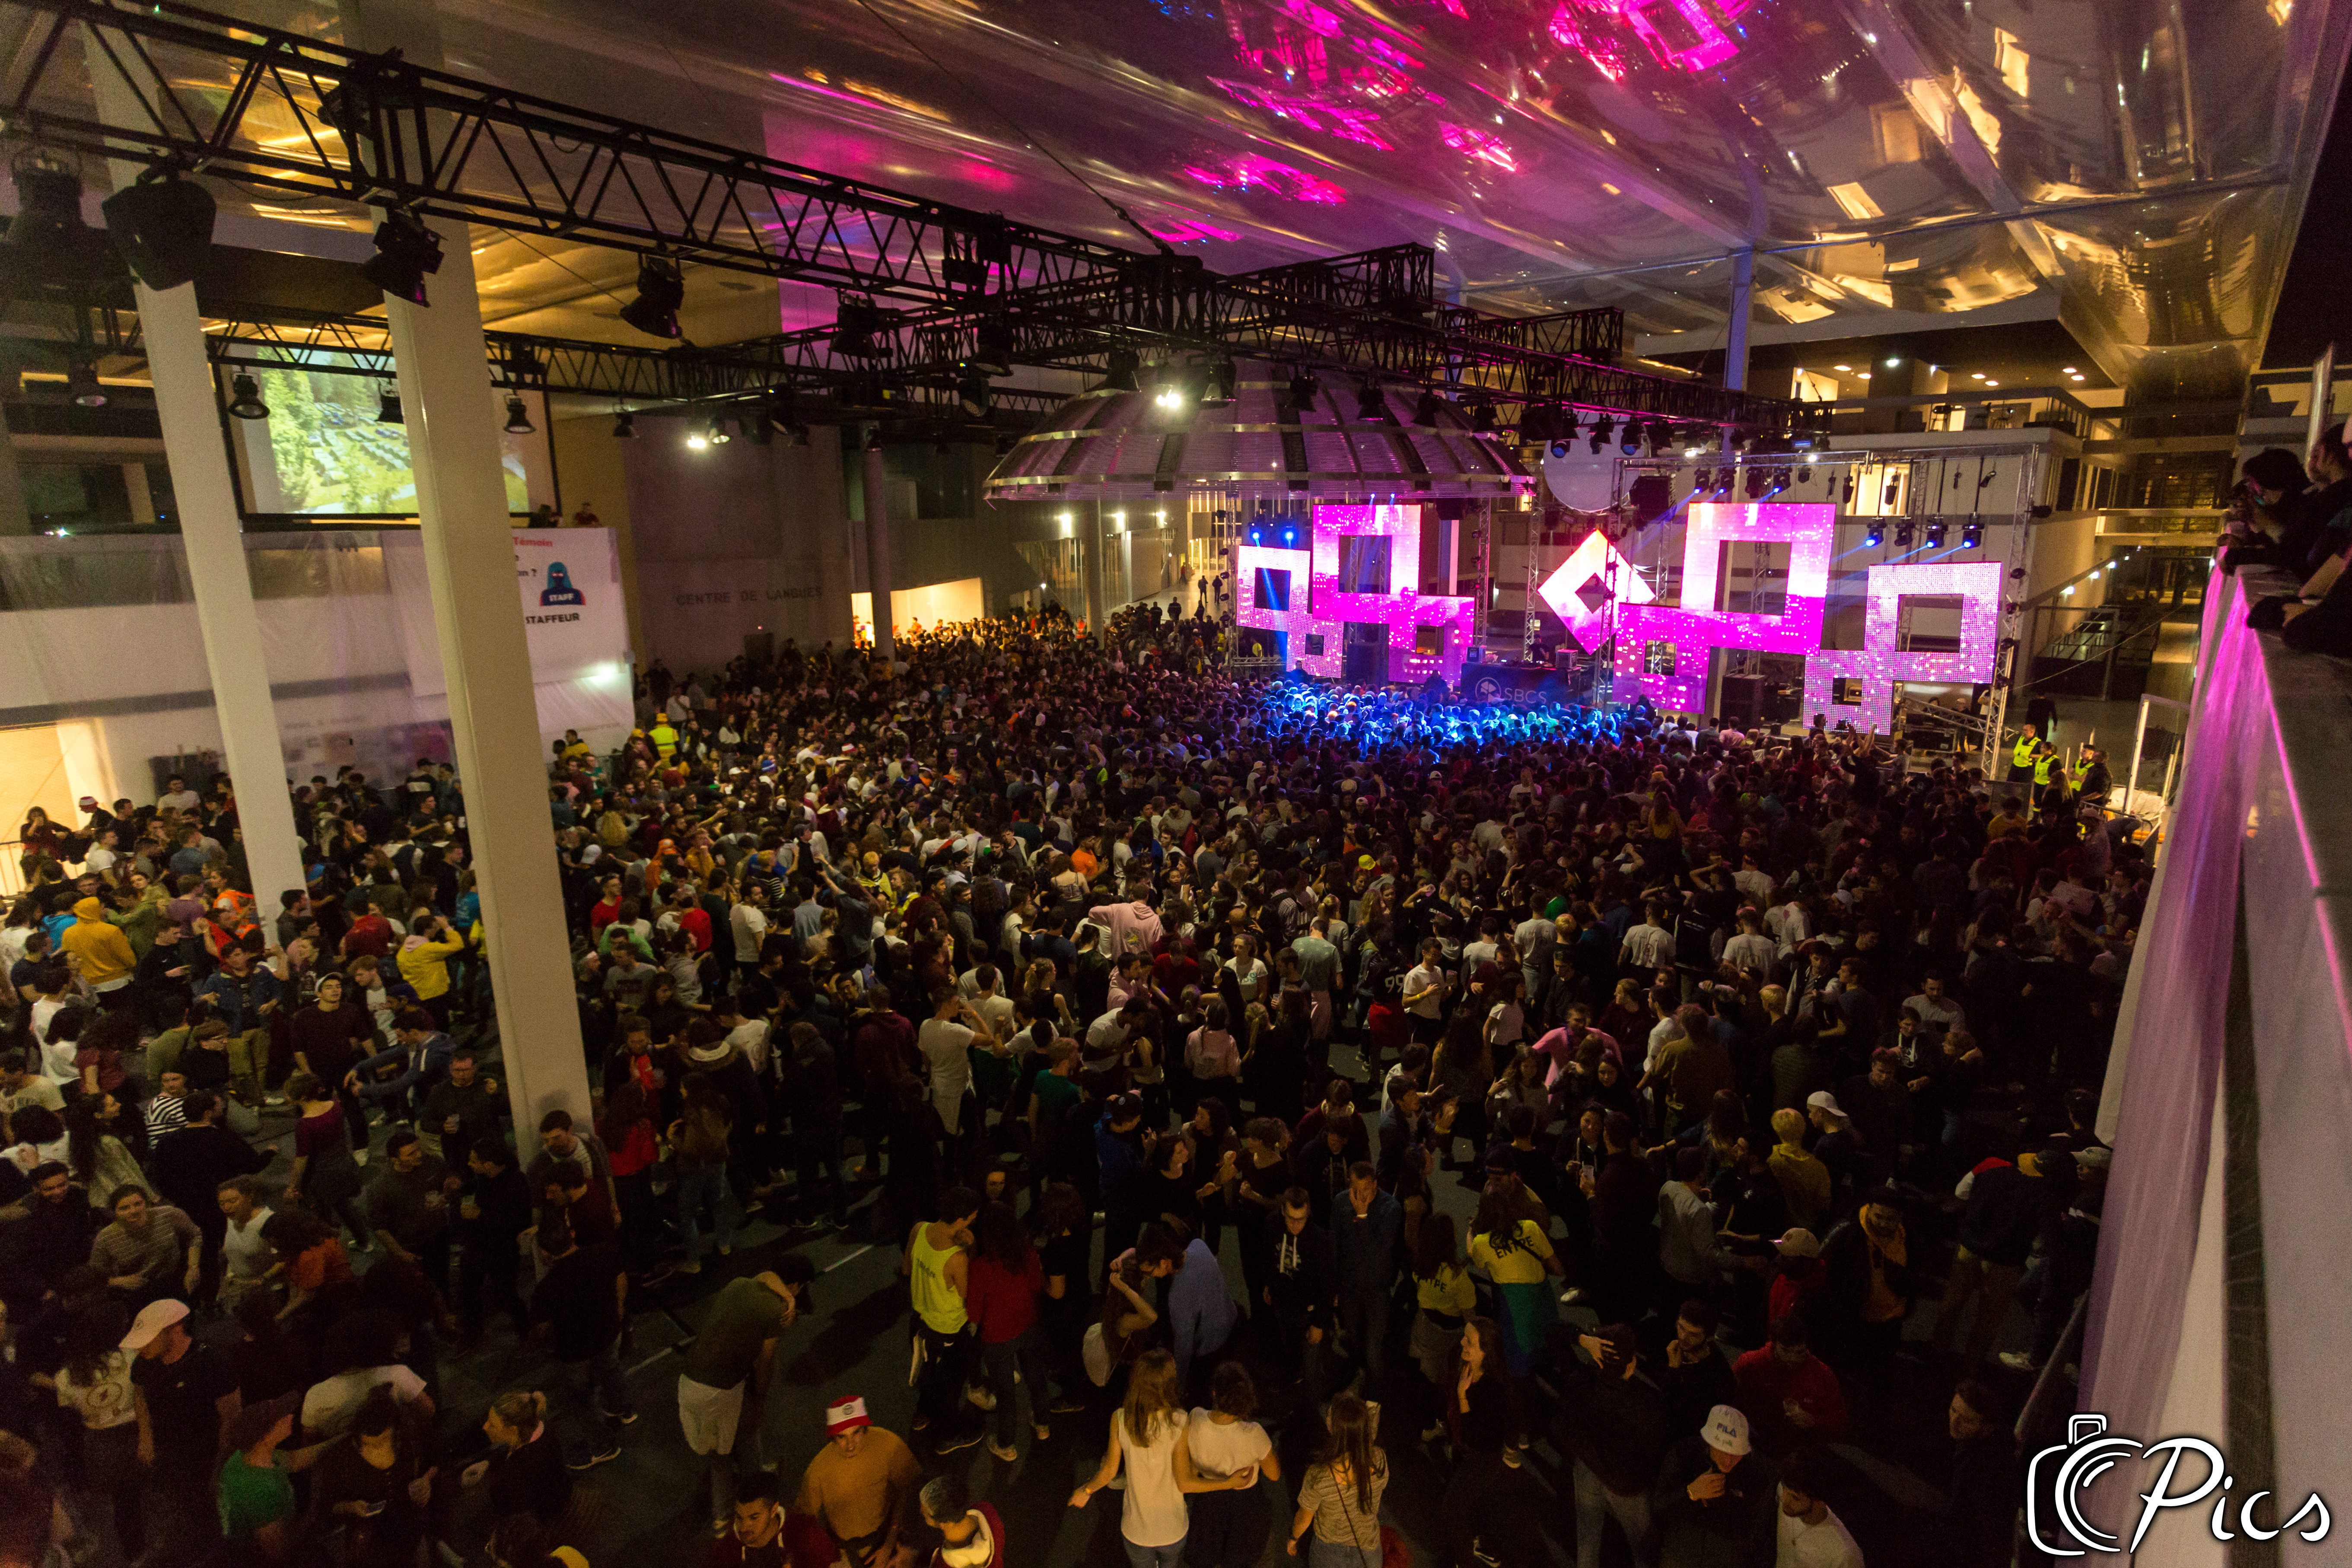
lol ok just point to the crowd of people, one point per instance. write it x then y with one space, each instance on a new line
1594 1124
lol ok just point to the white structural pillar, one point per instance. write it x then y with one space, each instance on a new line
878 545
1734 333
213 535
461 501
1094 570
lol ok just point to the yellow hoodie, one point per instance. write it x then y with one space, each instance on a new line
105 952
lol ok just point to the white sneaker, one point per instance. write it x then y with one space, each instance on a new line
359 1156
985 1398
2018 1361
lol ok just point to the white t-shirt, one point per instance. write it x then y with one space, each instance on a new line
1828 1544
1420 977
1154 1513
1219 1451
333 1404
179 800
105 1401
247 1256
944 1043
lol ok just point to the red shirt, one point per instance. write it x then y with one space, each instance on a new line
1004 1304
632 1152
369 934
696 924
802 1544
1767 1384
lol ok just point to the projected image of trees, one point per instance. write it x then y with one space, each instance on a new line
332 456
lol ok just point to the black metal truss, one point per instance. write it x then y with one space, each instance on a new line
376 128
638 378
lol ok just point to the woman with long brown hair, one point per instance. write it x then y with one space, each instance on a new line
1340 1495
1146 1439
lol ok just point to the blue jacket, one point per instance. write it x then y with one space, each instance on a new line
1199 1311
238 1004
425 1065
1366 1245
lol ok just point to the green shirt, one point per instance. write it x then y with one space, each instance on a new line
252 1497
744 1316
1055 1095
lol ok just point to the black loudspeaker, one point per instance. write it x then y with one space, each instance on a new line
1740 701
1652 495
1452 511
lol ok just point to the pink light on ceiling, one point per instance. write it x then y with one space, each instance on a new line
1684 34
1585 35
1186 231
1879 663
1663 652
1250 172
1579 589
1483 145
1344 120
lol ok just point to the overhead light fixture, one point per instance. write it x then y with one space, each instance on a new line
973 393
1903 534
855 324
1482 418
661 289
874 438
624 426
388 407
1847 498
718 435
1217 384
1424 409
81 384
992 347
1805 474
1660 436
1755 486
1118 371
162 227
246 399
1845 367
406 253
1892 362
1172 393
1303 389
1371 400
696 438
1876 534
1972 534
1936 534
1603 428
1629 438
1894 483
518 417
1992 383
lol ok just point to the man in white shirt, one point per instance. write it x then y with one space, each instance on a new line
178 796
1424 993
749 921
1650 946
246 1259
1810 1535
1754 885
944 1042
1751 950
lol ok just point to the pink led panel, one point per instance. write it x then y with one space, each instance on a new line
1596 557
1401 610
1879 664
1810 532
1249 560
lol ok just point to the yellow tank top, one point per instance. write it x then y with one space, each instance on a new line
935 1301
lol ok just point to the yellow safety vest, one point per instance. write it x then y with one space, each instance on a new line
2023 755
2041 767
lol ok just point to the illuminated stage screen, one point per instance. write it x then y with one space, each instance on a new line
1662 651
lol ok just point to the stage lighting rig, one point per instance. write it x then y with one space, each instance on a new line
661 289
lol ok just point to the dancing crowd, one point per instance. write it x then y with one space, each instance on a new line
1602 1128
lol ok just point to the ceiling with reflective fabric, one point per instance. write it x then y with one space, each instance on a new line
2133 169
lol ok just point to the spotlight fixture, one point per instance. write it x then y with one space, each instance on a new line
162 227
518 417
388 408
1563 449
1893 485
624 426
718 432
1371 402
1172 393
1847 499
1539 422
661 289
406 253
1424 409
992 350
81 384
1972 536
1603 428
1118 374
855 322
1724 479
1566 427
1303 389
874 438
1482 418
246 399
1629 437
1659 435
1217 384
1936 534
1756 478
1874 534
1702 480
50 242
696 438
972 393
1805 474
1905 534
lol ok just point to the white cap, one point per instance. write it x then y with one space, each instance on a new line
1726 1430
1822 1098
153 1319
